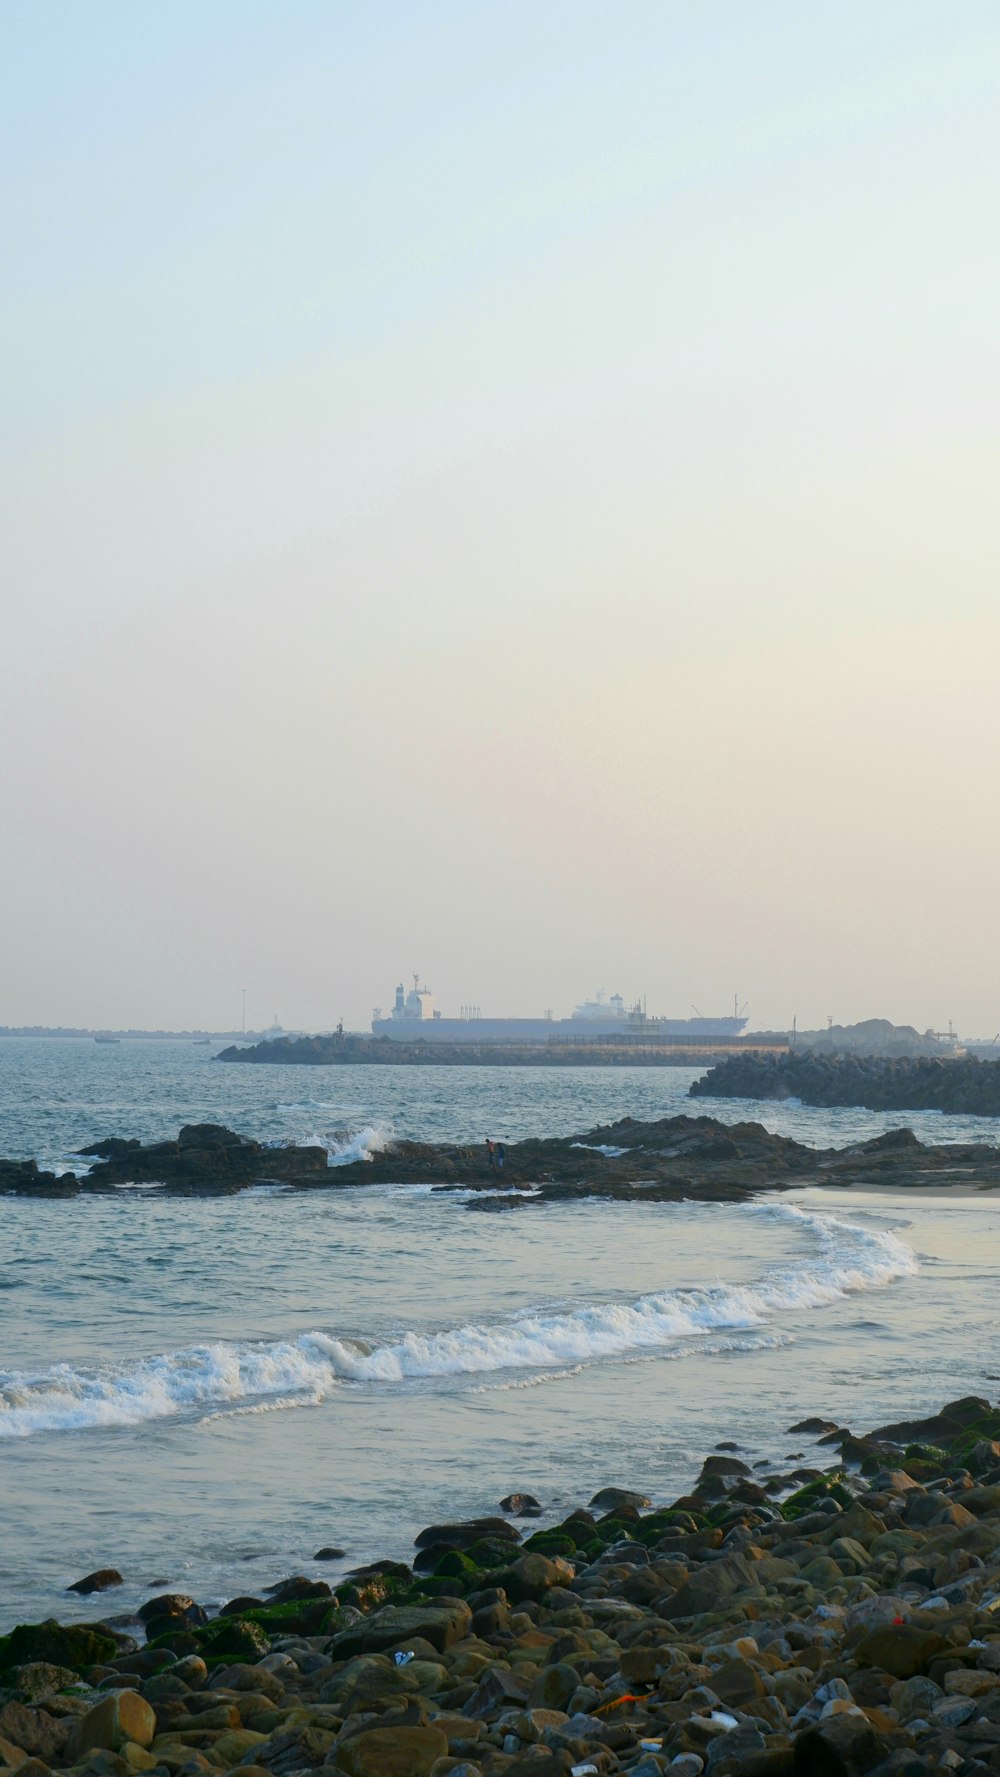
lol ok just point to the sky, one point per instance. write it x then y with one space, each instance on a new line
501 490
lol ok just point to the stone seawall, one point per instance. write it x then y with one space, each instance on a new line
351 1051
962 1087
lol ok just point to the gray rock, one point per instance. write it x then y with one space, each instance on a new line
608 1499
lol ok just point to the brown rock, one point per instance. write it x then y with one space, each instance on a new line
120 1716
392 1752
708 1586
36 1731
737 1683
900 1649
531 1576
442 1623
39 1680
851 1739
101 1580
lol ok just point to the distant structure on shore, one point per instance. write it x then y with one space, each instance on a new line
414 1019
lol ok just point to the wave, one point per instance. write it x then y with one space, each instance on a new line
305 1370
346 1147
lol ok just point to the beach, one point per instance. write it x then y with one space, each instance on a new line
203 1391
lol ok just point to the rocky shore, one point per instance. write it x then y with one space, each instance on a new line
674 1159
841 1616
963 1086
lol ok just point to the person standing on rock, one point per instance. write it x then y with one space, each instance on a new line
490 1152
501 1155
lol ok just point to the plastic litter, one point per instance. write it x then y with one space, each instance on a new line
650 1745
583 1771
404 1659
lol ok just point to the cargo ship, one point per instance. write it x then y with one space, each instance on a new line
414 1018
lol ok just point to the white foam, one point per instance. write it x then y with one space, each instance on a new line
344 1149
68 1399
847 1259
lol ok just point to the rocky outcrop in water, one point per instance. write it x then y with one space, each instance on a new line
839 1616
669 1161
963 1086
203 1158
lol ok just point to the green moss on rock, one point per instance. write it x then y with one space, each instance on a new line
807 1498
238 1637
74 1645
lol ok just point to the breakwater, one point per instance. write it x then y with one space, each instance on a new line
964 1086
343 1050
835 1616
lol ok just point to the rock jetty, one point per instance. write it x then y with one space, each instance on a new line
963 1086
842 1617
671 1160
344 1049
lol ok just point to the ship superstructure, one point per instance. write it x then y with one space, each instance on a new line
414 1018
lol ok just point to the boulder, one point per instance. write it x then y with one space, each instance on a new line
441 1622
37 1680
101 1580
610 1499
844 1745
171 1610
37 1732
290 1591
76 1645
708 1586
371 1681
900 1649
737 1684
532 1575
521 1505
392 1752
119 1717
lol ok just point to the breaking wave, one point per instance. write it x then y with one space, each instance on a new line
343 1149
204 1379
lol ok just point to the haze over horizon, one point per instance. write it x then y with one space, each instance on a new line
504 491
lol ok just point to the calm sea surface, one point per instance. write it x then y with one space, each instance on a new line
204 1393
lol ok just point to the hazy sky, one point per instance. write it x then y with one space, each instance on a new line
506 490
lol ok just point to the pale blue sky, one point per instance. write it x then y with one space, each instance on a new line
506 490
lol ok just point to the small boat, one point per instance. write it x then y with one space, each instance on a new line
107 1039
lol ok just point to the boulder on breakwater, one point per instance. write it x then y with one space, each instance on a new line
963 1086
842 1617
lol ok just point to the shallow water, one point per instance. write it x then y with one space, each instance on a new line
204 1393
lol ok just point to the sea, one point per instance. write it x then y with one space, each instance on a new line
205 1394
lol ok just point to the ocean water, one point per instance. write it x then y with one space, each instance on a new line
204 1393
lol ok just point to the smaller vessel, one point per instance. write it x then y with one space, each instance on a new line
107 1039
